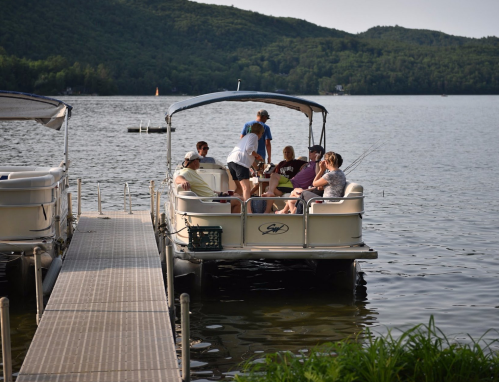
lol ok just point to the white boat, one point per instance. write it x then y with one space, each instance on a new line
33 199
326 235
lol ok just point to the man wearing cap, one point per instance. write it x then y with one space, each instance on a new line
189 179
264 142
279 184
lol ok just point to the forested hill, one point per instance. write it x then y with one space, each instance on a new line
424 37
134 46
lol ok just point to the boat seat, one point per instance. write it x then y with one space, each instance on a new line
343 206
38 181
10 169
216 178
214 174
56 172
199 206
340 207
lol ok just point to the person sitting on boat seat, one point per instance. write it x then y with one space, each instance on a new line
280 185
190 180
202 148
289 167
329 182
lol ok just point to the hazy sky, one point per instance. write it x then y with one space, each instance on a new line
470 18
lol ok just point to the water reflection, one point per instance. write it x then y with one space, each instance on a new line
249 308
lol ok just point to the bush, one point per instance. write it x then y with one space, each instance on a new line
422 353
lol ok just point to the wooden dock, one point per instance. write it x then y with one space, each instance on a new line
107 318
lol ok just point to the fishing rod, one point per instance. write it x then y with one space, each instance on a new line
376 145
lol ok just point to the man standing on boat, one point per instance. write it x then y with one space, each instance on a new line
264 142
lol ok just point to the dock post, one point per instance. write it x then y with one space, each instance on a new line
39 289
162 239
151 190
169 279
184 322
6 347
70 216
57 244
99 201
79 197
156 224
57 220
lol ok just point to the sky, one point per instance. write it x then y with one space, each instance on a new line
469 18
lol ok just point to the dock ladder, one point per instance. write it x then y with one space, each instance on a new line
144 129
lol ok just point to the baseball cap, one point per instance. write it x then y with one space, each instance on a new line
192 155
317 148
263 113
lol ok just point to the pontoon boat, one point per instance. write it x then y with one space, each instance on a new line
33 199
327 235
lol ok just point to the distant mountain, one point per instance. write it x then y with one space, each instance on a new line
134 46
423 37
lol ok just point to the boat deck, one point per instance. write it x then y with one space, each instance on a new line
107 318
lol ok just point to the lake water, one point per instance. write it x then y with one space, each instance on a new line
431 213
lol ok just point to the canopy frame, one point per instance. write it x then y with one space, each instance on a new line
296 103
50 112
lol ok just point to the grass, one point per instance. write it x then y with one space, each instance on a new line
422 353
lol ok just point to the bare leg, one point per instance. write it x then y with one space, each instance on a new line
285 209
254 189
292 203
246 186
238 189
235 206
270 204
274 182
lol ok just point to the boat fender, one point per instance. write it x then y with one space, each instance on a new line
52 274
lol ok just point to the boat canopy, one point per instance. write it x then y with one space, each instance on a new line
16 106
305 106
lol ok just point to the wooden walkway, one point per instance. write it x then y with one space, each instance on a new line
107 318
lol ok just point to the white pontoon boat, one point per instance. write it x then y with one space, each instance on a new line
327 235
33 200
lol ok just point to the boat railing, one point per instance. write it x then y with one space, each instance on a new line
308 217
53 185
28 205
126 190
174 196
302 224
25 193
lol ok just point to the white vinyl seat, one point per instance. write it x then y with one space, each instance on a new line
343 206
198 205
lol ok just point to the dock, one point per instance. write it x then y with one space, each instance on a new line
107 318
160 130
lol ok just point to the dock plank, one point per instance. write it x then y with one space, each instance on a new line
107 318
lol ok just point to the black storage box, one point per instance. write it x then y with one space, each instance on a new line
205 238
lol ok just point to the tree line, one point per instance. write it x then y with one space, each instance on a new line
182 47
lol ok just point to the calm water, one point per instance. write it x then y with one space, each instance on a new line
431 212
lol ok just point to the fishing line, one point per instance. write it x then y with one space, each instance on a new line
375 146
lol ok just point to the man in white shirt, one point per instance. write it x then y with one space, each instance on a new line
241 158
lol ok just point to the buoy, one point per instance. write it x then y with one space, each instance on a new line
51 276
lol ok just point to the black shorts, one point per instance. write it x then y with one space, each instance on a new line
238 172
285 190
